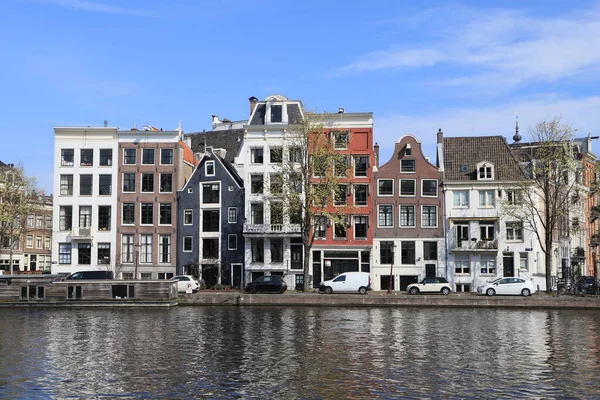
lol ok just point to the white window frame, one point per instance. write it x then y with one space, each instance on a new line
229 219
228 241
423 188
487 265
512 227
463 199
487 198
385 195
366 227
191 243
191 214
414 216
161 156
414 187
379 212
144 149
402 171
161 247
524 256
206 165
485 171
423 216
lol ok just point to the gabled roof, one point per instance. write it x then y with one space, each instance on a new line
469 151
231 140
188 154
2 164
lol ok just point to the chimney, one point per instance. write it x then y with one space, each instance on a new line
253 100
215 121
376 148
440 136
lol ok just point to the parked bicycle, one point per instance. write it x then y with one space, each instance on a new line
581 287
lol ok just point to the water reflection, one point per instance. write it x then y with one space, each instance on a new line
317 353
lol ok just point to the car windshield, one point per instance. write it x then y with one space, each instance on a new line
495 280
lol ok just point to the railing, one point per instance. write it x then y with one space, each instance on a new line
271 228
466 244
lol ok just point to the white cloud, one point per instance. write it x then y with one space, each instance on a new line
581 113
95 6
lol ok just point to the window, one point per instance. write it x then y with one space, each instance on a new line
276 214
386 215
147 213
166 156
320 227
276 155
85 185
104 218
488 265
65 218
256 213
430 250
386 252
408 252
128 213
66 157
105 157
429 216
84 253
257 247
339 230
296 154
48 222
232 215
340 139
127 248
523 261
66 185
460 198
514 197
407 215
340 195
340 166
30 221
361 193
209 168
165 213
85 216
210 193
256 156
462 266
87 157
256 184
408 187
486 230
361 166
29 241
361 224
129 156
429 187
276 250
166 183
232 242
276 183
47 243
408 166
148 156
210 248
148 183
187 216
105 185
146 249
276 113
187 243
210 221
486 198
164 249
385 187
64 253
129 182
104 253
484 172
514 231
39 222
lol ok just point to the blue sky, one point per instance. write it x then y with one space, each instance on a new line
466 67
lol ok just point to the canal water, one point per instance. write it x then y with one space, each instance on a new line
298 353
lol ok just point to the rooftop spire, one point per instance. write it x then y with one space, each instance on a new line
517 138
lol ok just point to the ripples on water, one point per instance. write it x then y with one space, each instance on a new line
297 353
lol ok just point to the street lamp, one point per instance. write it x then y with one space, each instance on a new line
391 281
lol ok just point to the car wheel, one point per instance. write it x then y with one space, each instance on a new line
490 292
526 292
413 290
328 290
280 290
252 290
362 290
445 291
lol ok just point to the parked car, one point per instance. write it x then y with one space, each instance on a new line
270 283
348 282
514 286
90 275
430 285
186 281
583 286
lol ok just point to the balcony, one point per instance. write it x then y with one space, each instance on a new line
81 233
272 229
475 245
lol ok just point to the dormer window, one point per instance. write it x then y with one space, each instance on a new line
276 113
407 150
209 168
485 171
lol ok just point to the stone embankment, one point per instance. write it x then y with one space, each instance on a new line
382 299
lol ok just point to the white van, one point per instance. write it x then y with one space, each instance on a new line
348 282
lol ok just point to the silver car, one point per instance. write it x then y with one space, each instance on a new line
185 282
514 286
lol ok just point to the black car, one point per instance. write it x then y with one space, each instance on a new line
269 283
586 283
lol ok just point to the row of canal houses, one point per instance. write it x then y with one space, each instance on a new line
202 204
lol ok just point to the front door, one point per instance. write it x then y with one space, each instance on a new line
430 271
509 264
237 276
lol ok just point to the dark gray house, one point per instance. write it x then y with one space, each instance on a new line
211 212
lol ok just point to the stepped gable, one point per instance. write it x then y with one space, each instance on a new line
468 151
230 140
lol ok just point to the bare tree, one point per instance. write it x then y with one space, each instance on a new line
18 199
543 197
310 176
